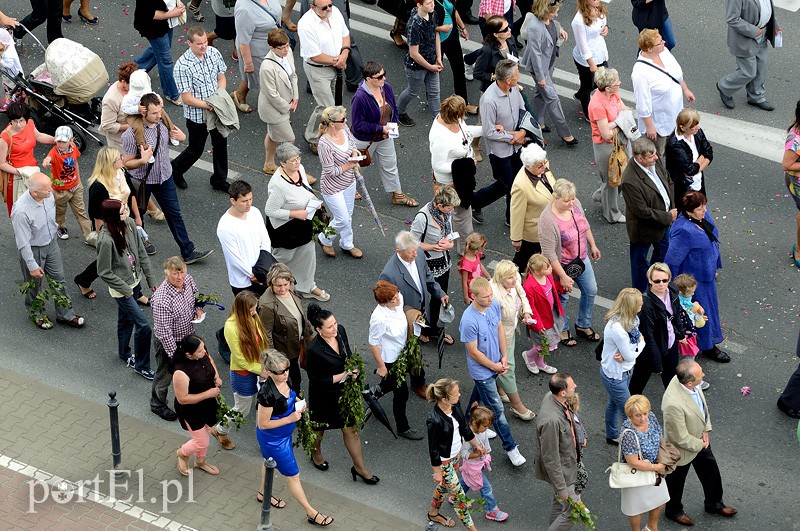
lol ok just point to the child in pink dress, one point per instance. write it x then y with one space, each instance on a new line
470 266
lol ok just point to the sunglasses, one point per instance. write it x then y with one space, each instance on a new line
504 29
282 371
343 120
379 76
324 8
659 280
554 2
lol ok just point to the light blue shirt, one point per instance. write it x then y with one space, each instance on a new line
34 225
697 399
481 327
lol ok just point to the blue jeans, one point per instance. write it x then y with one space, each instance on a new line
666 33
485 392
129 318
618 394
416 80
167 198
489 501
588 286
160 53
640 264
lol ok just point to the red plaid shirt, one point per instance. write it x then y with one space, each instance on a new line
173 312
488 8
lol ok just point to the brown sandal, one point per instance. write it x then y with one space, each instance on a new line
206 467
183 462
399 198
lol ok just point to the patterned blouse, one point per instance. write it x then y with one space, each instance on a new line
333 157
650 440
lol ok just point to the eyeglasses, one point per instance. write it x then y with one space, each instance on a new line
379 76
282 371
294 160
324 8
659 280
541 164
343 120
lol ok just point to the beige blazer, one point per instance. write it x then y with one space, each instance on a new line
277 89
684 424
527 204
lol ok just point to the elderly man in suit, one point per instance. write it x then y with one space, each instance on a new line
751 25
687 424
650 209
408 270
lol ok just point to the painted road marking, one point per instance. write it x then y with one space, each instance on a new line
207 166
789 5
755 139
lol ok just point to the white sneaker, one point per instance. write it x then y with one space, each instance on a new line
174 141
548 369
469 71
491 433
704 385
516 457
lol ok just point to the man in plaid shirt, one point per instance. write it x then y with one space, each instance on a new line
199 73
173 312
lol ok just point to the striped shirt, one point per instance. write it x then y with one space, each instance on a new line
162 169
333 157
173 312
198 76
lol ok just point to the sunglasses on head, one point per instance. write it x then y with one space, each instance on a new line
282 371
659 280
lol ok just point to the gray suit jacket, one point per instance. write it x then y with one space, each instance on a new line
396 273
539 50
742 17
684 424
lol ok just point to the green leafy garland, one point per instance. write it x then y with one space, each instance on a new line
580 514
544 343
318 227
410 358
307 430
351 401
53 291
472 505
200 299
229 415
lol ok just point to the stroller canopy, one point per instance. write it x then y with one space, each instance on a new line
77 73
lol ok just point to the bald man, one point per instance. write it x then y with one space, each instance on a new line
34 221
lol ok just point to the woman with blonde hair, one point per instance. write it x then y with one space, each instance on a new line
688 154
622 345
336 147
246 338
507 291
109 181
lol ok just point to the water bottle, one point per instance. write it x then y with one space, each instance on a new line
431 526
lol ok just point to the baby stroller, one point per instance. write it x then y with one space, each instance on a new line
61 91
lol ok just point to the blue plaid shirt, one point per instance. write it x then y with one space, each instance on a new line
198 76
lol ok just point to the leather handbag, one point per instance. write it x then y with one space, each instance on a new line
576 267
617 162
623 475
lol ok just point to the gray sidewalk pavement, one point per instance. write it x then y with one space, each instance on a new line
52 433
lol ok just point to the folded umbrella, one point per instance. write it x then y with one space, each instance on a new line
376 410
368 200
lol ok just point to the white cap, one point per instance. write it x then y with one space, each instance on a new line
63 134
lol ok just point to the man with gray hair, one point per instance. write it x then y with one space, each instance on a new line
34 221
501 105
408 270
650 209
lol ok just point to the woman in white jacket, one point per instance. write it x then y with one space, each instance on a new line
622 345
590 27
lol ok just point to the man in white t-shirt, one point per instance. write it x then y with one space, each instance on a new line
324 47
242 235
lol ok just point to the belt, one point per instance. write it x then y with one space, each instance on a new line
318 66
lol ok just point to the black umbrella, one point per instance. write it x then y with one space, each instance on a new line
440 345
376 410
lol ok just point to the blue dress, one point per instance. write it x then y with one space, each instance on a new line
692 251
277 442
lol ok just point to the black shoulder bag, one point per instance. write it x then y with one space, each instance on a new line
575 268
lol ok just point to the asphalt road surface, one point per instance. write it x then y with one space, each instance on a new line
754 443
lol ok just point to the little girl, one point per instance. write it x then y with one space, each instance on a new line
473 462
574 403
139 85
548 315
692 315
470 265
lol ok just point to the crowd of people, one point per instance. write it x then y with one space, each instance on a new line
669 316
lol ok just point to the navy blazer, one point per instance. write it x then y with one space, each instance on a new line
653 326
396 273
681 165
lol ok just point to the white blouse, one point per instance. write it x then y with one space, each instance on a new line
388 330
589 44
447 146
657 95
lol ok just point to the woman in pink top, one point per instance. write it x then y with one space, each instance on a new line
604 106
565 235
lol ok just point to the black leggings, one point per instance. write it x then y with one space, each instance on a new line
399 399
451 48
586 77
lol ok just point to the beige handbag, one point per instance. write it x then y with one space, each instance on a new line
617 162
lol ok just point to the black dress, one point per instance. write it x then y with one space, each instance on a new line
201 378
322 363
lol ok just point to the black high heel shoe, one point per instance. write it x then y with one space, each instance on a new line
570 143
86 20
369 481
322 466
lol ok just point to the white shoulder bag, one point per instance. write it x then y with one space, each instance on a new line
623 475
